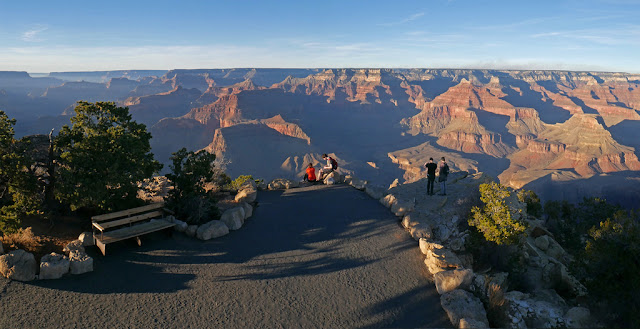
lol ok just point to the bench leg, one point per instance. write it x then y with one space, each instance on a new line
138 241
102 247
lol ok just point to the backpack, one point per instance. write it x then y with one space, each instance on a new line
334 163
445 169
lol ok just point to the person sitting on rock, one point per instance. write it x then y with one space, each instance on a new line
328 168
310 174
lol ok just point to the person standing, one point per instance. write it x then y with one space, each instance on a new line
443 169
431 175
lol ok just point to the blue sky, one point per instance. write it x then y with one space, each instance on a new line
45 36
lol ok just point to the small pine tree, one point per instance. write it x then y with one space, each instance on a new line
190 172
102 157
496 219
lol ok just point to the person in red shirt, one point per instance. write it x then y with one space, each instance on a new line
310 175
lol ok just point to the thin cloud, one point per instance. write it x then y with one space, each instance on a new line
406 20
32 34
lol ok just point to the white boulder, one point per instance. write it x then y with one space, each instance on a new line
80 262
233 218
421 231
248 210
247 193
441 259
18 265
212 229
447 281
53 266
388 200
375 192
358 183
459 305
180 225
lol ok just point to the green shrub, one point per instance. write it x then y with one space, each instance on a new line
236 183
496 219
190 172
610 267
103 156
19 193
534 207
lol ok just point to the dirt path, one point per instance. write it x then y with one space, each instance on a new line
318 257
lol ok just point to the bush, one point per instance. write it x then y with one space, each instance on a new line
534 207
235 184
18 186
610 266
102 158
22 239
496 219
190 172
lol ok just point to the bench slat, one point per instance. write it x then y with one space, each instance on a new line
127 212
129 220
130 232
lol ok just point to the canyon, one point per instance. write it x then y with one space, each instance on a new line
562 134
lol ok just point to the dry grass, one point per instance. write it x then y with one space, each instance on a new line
23 239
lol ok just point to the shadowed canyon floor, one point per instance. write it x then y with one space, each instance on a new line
312 257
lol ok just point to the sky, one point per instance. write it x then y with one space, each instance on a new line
67 35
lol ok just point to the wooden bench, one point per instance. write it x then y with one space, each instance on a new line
130 223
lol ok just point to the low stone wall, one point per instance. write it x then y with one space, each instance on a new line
434 221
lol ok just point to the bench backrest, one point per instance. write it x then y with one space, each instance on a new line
128 216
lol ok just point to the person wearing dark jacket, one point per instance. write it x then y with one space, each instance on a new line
443 169
431 175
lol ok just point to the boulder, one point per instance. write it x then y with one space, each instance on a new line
447 281
388 200
248 210
212 229
80 262
74 246
375 192
578 317
18 265
526 311
459 305
426 245
282 184
358 183
191 230
441 259
410 220
86 238
542 242
247 193
53 266
335 176
233 218
180 225
421 231
403 207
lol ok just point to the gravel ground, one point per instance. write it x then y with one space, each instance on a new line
317 257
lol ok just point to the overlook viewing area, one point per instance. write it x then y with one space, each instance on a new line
320 256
